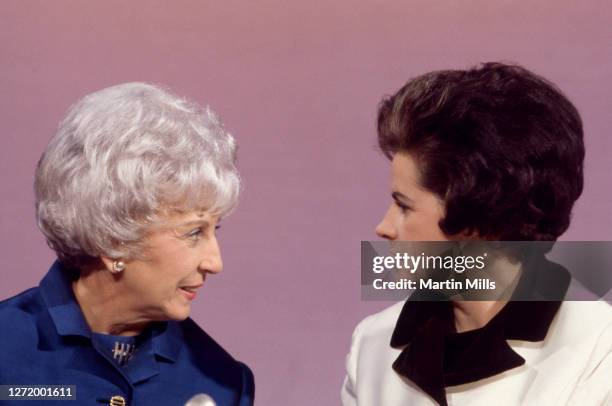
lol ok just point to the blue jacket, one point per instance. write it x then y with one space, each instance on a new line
44 340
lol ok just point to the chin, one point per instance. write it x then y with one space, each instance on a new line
178 313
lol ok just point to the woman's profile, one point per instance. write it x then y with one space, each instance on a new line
490 153
129 194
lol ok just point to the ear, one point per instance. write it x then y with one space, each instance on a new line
108 263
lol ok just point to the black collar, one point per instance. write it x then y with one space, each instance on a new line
435 356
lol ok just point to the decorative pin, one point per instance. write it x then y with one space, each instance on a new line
123 352
117 401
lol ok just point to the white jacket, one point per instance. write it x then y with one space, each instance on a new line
572 366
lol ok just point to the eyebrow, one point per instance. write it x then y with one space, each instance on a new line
203 223
400 197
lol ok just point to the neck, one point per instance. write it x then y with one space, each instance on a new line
105 305
471 315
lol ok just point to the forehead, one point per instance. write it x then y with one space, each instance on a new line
170 218
404 173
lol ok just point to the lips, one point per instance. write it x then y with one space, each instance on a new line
190 291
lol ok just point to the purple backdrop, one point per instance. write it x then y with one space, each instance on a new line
298 85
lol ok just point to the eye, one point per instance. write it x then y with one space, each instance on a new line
195 234
403 207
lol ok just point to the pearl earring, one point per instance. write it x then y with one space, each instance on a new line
118 266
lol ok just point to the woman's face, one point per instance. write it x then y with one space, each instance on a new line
415 212
178 256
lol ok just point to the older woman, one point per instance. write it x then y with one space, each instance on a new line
491 153
129 194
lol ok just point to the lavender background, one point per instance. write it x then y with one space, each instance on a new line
298 84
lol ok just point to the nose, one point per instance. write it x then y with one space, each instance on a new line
386 228
211 261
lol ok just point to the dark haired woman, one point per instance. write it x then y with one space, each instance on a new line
491 153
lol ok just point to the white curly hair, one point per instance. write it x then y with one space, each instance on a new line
120 157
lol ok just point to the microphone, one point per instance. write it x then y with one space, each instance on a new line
201 399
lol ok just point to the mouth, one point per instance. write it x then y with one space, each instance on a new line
189 292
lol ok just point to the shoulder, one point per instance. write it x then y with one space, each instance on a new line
578 321
575 361
379 324
213 360
199 342
587 327
28 300
370 343
21 318
369 373
19 313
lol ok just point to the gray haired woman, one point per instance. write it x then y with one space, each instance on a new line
129 194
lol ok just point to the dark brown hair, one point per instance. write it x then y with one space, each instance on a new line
501 146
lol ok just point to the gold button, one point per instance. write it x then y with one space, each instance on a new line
117 401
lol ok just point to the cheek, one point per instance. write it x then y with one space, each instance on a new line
160 277
421 227
154 282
